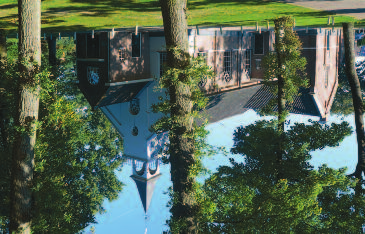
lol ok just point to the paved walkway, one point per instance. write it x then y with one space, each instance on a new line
355 8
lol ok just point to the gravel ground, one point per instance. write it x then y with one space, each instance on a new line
355 8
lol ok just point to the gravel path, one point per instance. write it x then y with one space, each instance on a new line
355 8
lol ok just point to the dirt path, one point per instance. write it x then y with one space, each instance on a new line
355 8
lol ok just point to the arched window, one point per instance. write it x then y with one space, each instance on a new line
140 167
153 166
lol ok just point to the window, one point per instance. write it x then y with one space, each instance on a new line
227 60
136 45
93 75
247 61
163 59
92 46
121 53
258 64
204 79
326 77
140 167
152 166
326 47
259 43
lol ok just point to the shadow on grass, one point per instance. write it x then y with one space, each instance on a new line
105 6
89 8
204 3
10 21
8 6
292 1
347 11
251 23
67 29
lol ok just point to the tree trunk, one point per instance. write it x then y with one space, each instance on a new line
349 37
279 35
3 118
29 13
3 50
181 147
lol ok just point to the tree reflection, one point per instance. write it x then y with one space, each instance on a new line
261 194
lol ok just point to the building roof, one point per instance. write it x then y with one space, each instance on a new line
121 93
145 189
228 104
303 103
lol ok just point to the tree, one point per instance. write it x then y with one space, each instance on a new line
342 104
275 189
181 148
353 80
79 170
29 13
183 101
8 74
3 108
287 66
249 198
76 154
349 37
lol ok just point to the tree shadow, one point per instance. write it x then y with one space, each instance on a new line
8 6
90 8
10 21
203 4
51 17
347 11
105 6
214 100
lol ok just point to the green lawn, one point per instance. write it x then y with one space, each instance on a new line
80 15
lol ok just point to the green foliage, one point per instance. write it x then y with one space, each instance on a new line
292 69
78 171
343 101
361 42
76 155
247 197
187 78
275 189
194 73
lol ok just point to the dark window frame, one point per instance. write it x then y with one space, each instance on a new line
227 62
258 64
256 35
122 53
162 61
96 40
247 61
326 78
134 44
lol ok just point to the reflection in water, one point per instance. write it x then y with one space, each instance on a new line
232 52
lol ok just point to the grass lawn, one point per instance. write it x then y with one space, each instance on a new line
82 15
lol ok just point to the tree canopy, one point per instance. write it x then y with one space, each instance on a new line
247 196
275 189
76 156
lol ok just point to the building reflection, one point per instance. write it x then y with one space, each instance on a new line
118 70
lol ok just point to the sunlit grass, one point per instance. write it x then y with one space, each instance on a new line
79 15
